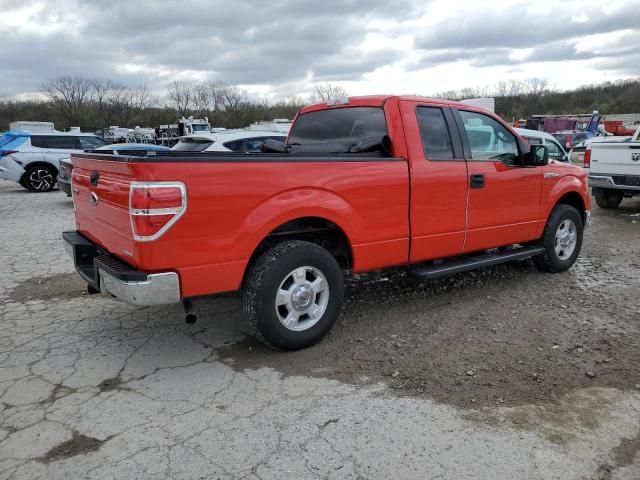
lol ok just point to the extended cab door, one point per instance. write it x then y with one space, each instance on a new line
438 181
504 195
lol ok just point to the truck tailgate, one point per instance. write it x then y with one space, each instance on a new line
615 158
101 201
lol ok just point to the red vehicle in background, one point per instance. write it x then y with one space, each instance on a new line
439 187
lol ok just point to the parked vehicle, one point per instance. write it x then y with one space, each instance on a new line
240 141
438 187
571 138
281 125
535 137
33 159
168 135
66 167
614 170
577 152
115 134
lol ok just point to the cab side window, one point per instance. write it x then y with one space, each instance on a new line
489 140
436 139
89 143
555 152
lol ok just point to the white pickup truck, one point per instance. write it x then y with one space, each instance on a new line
614 170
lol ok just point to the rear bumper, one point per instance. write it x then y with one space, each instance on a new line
64 185
107 274
610 181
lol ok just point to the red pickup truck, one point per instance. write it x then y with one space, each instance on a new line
373 182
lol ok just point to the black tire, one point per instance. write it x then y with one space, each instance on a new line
263 281
40 178
607 198
550 261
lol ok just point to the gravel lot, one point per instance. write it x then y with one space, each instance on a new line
504 373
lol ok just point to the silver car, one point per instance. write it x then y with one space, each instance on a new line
33 159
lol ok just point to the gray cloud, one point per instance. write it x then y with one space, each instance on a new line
515 28
490 38
248 42
284 43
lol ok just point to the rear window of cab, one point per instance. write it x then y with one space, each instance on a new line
338 125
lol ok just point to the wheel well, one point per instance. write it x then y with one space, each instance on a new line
575 200
37 164
316 230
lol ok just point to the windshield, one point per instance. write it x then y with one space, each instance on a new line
200 127
10 140
338 125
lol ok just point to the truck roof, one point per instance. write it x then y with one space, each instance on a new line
379 101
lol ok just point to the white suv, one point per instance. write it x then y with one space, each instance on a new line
33 159
238 141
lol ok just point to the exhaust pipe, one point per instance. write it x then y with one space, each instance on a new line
189 317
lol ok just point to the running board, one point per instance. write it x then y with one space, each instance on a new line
449 267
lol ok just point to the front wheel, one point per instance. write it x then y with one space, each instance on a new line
561 240
40 178
607 198
293 295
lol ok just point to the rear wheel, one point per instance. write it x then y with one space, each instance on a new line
562 240
40 178
293 295
607 198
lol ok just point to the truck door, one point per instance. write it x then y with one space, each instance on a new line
504 195
438 174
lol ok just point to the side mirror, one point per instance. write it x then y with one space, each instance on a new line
537 156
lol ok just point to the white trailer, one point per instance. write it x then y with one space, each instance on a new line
33 127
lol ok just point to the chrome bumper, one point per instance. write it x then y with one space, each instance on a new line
605 181
157 289
105 273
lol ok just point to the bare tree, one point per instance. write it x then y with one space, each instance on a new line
71 96
536 86
180 94
233 97
323 92
208 97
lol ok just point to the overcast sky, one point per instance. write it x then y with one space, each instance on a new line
281 48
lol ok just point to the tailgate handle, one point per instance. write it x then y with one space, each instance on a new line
93 179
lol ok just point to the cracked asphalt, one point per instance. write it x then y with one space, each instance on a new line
412 383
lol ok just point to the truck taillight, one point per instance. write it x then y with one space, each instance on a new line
567 142
587 158
154 207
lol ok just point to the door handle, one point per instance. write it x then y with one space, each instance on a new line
477 180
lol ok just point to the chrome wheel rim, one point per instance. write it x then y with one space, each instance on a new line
302 298
41 179
566 239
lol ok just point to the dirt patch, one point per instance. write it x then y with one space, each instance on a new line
62 285
503 336
559 420
621 455
78 445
